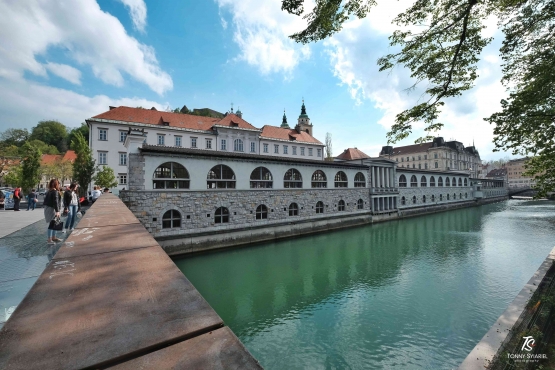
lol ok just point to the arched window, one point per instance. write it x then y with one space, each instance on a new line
261 178
440 181
221 177
238 145
403 201
436 165
423 199
465 182
433 198
170 175
447 181
319 207
454 196
454 182
221 216
340 179
402 181
460 181
460 196
360 180
423 181
413 182
292 179
261 212
171 219
341 205
441 197
319 179
432 181
466 195
414 199
360 204
293 209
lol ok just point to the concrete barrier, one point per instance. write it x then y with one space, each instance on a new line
111 296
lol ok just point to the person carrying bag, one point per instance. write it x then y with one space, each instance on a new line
52 211
71 206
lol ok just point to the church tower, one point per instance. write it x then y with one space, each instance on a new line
304 122
284 123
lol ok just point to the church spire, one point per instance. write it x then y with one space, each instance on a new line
284 121
303 122
303 111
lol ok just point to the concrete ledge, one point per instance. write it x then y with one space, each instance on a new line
481 356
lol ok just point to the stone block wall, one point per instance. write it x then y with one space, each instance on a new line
197 208
419 192
136 171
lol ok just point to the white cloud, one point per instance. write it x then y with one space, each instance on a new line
261 31
137 11
88 35
64 71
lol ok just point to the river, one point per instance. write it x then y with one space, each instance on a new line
416 293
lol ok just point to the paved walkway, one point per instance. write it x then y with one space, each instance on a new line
12 221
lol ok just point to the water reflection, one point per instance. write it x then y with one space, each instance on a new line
415 293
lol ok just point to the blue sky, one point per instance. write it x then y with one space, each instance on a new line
70 60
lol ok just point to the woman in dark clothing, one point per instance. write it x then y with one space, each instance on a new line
71 206
52 208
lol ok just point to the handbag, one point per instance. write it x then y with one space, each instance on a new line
56 224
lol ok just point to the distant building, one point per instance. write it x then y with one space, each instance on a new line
515 171
351 154
498 174
438 155
58 166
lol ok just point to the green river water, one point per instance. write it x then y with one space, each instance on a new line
417 293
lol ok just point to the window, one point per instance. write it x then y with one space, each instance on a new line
276 149
178 141
436 165
294 150
285 149
102 134
293 209
460 181
425 156
440 197
403 201
102 157
360 204
122 136
419 158
360 180
319 207
221 216
423 182
413 182
413 158
171 175
161 139
402 159
432 181
460 196
447 196
466 195
413 165
425 166
123 159
447 181
407 159
454 182
223 144
261 212
402 181
208 143
454 196
440 181
319 153
341 205
423 199
465 182
435 155
171 219
419 166
253 147
433 198
193 142
261 178
292 179
414 199
302 150
319 179
122 177
238 145
220 177
310 152
265 148
340 180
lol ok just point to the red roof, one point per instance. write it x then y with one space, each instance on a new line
273 132
50 158
408 149
70 156
154 117
352 153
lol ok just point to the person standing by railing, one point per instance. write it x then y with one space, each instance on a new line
52 208
71 206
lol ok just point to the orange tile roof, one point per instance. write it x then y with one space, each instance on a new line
233 120
407 149
50 158
273 132
352 153
70 156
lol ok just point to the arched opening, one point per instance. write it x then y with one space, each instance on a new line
340 179
261 178
447 181
423 182
423 199
360 204
414 199
403 201
360 180
433 198
221 177
319 179
170 175
319 207
402 181
432 181
460 181
413 182
440 197
460 196
292 179
221 216
261 212
454 183
171 219
341 205
440 181
293 209
447 196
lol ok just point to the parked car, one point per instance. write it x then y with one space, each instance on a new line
42 191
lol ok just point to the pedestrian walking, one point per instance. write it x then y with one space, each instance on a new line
52 210
71 206
96 193
31 200
16 199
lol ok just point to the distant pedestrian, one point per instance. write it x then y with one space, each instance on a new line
31 200
106 190
71 206
52 209
96 193
16 199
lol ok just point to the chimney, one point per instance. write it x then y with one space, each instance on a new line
111 107
298 128
153 108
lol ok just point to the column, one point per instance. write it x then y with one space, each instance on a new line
372 176
387 177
